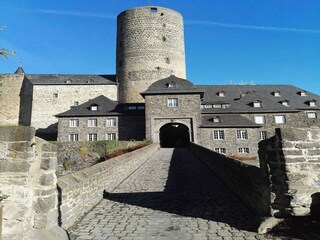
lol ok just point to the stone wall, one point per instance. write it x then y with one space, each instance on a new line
46 104
158 114
27 175
82 190
10 86
150 47
245 181
291 159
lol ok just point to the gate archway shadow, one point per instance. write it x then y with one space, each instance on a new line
174 135
190 191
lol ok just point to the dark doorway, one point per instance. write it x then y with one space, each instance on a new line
174 135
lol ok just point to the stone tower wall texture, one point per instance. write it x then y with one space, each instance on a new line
150 46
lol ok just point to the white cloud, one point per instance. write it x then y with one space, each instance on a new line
253 27
69 13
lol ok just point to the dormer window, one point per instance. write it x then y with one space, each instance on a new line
68 81
302 93
221 94
257 104
285 103
216 119
171 85
312 103
276 94
94 107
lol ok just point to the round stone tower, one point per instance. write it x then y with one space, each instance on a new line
150 46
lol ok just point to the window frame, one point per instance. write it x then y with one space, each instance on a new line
277 118
111 122
113 136
73 137
311 113
263 117
220 150
92 122
242 134
91 137
72 121
172 102
263 135
218 135
244 150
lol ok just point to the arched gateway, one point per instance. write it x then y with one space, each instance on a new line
174 135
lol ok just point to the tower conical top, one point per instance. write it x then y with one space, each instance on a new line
19 70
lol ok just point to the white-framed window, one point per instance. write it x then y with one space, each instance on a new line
302 93
280 119
312 103
243 150
92 122
257 104
73 137
94 108
172 102
312 115
111 122
220 150
217 106
221 94
242 134
92 137
208 106
285 103
216 119
74 122
260 119
263 135
276 94
218 134
110 136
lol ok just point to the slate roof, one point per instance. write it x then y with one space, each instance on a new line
172 85
106 107
241 97
227 121
70 79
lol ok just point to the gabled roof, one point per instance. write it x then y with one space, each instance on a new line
70 79
240 96
171 85
19 71
227 121
105 107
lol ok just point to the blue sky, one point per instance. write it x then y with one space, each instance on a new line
226 41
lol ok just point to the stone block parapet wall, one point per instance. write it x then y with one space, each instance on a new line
245 181
82 190
27 175
291 160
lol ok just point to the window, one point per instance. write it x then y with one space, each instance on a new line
172 102
92 122
74 123
312 115
263 135
302 93
94 108
243 150
257 104
220 150
92 137
218 134
221 94
153 10
312 103
73 137
76 103
276 94
216 119
110 136
164 38
208 106
55 95
242 134
111 122
285 103
280 119
260 119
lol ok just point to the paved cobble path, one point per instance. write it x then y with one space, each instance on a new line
172 196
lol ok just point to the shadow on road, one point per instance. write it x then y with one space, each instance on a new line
192 190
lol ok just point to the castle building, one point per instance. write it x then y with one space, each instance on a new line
150 97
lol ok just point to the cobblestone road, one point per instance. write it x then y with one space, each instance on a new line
172 196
